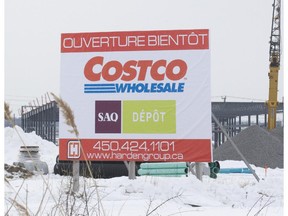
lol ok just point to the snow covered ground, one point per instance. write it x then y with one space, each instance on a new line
229 194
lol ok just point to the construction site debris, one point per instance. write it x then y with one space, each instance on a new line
258 145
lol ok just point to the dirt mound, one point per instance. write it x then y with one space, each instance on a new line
16 172
258 145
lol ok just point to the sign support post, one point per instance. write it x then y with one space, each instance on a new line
131 170
199 172
75 187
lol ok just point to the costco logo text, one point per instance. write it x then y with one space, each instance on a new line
134 70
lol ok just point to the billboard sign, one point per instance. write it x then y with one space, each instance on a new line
137 95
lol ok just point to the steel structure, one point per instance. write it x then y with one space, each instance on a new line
44 120
234 116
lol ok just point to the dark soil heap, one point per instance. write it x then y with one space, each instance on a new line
16 171
258 145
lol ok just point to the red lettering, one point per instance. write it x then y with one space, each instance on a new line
106 71
129 70
143 64
132 69
154 70
170 69
88 70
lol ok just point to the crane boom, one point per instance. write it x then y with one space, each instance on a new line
274 58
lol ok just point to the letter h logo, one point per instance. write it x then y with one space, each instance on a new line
74 149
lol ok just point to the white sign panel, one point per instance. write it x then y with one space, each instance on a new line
141 95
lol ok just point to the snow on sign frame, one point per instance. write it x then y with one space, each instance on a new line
137 95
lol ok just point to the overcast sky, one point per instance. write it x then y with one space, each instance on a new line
239 40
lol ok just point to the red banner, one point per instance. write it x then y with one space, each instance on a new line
135 41
135 150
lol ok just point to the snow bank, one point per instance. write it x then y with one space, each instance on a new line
16 137
229 194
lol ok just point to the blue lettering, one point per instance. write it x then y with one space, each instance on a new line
149 87
153 87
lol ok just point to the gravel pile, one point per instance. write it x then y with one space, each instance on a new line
259 146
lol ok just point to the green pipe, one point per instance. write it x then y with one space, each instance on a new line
180 171
166 165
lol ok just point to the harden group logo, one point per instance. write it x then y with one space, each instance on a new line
108 117
74 149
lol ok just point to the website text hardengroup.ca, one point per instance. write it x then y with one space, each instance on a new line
134 156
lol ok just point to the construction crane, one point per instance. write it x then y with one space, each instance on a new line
274 58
